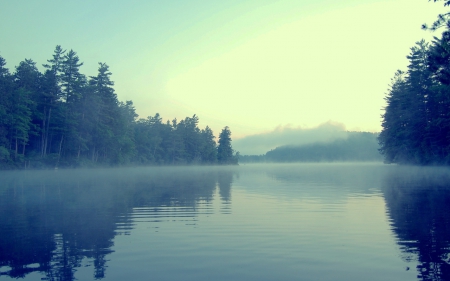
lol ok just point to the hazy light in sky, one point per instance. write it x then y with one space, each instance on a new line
251 65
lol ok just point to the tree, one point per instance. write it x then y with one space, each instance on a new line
6 90
51 91
125 132
190 135
392 137
28 77
26 96
442 20
417 103
439 99
224 150
208 146
416 123
65 119
21 120
73 83
101 109
71 78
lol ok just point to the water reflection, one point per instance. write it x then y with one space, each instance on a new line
323 222
58 222
418 203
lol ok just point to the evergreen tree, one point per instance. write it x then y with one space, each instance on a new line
224 150
105 114
60 118
6 92
25 98
392 137
443 20
416 123
439 100
190 134
20 121
28 78
419 84
125 132
73 83
52 95
175 144
208 146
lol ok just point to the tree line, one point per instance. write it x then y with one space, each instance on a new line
357 146
62 118
416 122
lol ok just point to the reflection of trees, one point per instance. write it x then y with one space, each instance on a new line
224 180
418 203
53 222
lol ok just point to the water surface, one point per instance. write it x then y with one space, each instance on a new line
252 222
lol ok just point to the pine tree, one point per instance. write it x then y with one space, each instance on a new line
190 134
73 83
26 118
224 150
101 111
208 146
28 77
439 100
6 92
125 135
419 84
51 90
21 120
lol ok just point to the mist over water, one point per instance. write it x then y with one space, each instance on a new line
348 221
287 135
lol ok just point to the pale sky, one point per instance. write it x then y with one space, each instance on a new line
252 65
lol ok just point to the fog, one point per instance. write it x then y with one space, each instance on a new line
286 135
79 224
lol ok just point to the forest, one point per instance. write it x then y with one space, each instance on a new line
62 118
416 122
357 146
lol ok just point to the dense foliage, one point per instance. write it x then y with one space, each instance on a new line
61 118
225 153
416 123
357 146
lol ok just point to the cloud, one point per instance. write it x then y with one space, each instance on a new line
287 135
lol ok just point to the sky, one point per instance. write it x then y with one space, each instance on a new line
256 66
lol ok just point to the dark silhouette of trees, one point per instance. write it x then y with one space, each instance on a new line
416 122
224 150
358 146
62 118
442 20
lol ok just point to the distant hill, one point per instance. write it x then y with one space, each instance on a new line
358 146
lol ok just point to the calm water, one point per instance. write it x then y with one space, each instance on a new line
252 222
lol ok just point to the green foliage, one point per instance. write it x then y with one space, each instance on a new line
174 143
61 118
208 147
4 154
416 122
6 91
224 150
